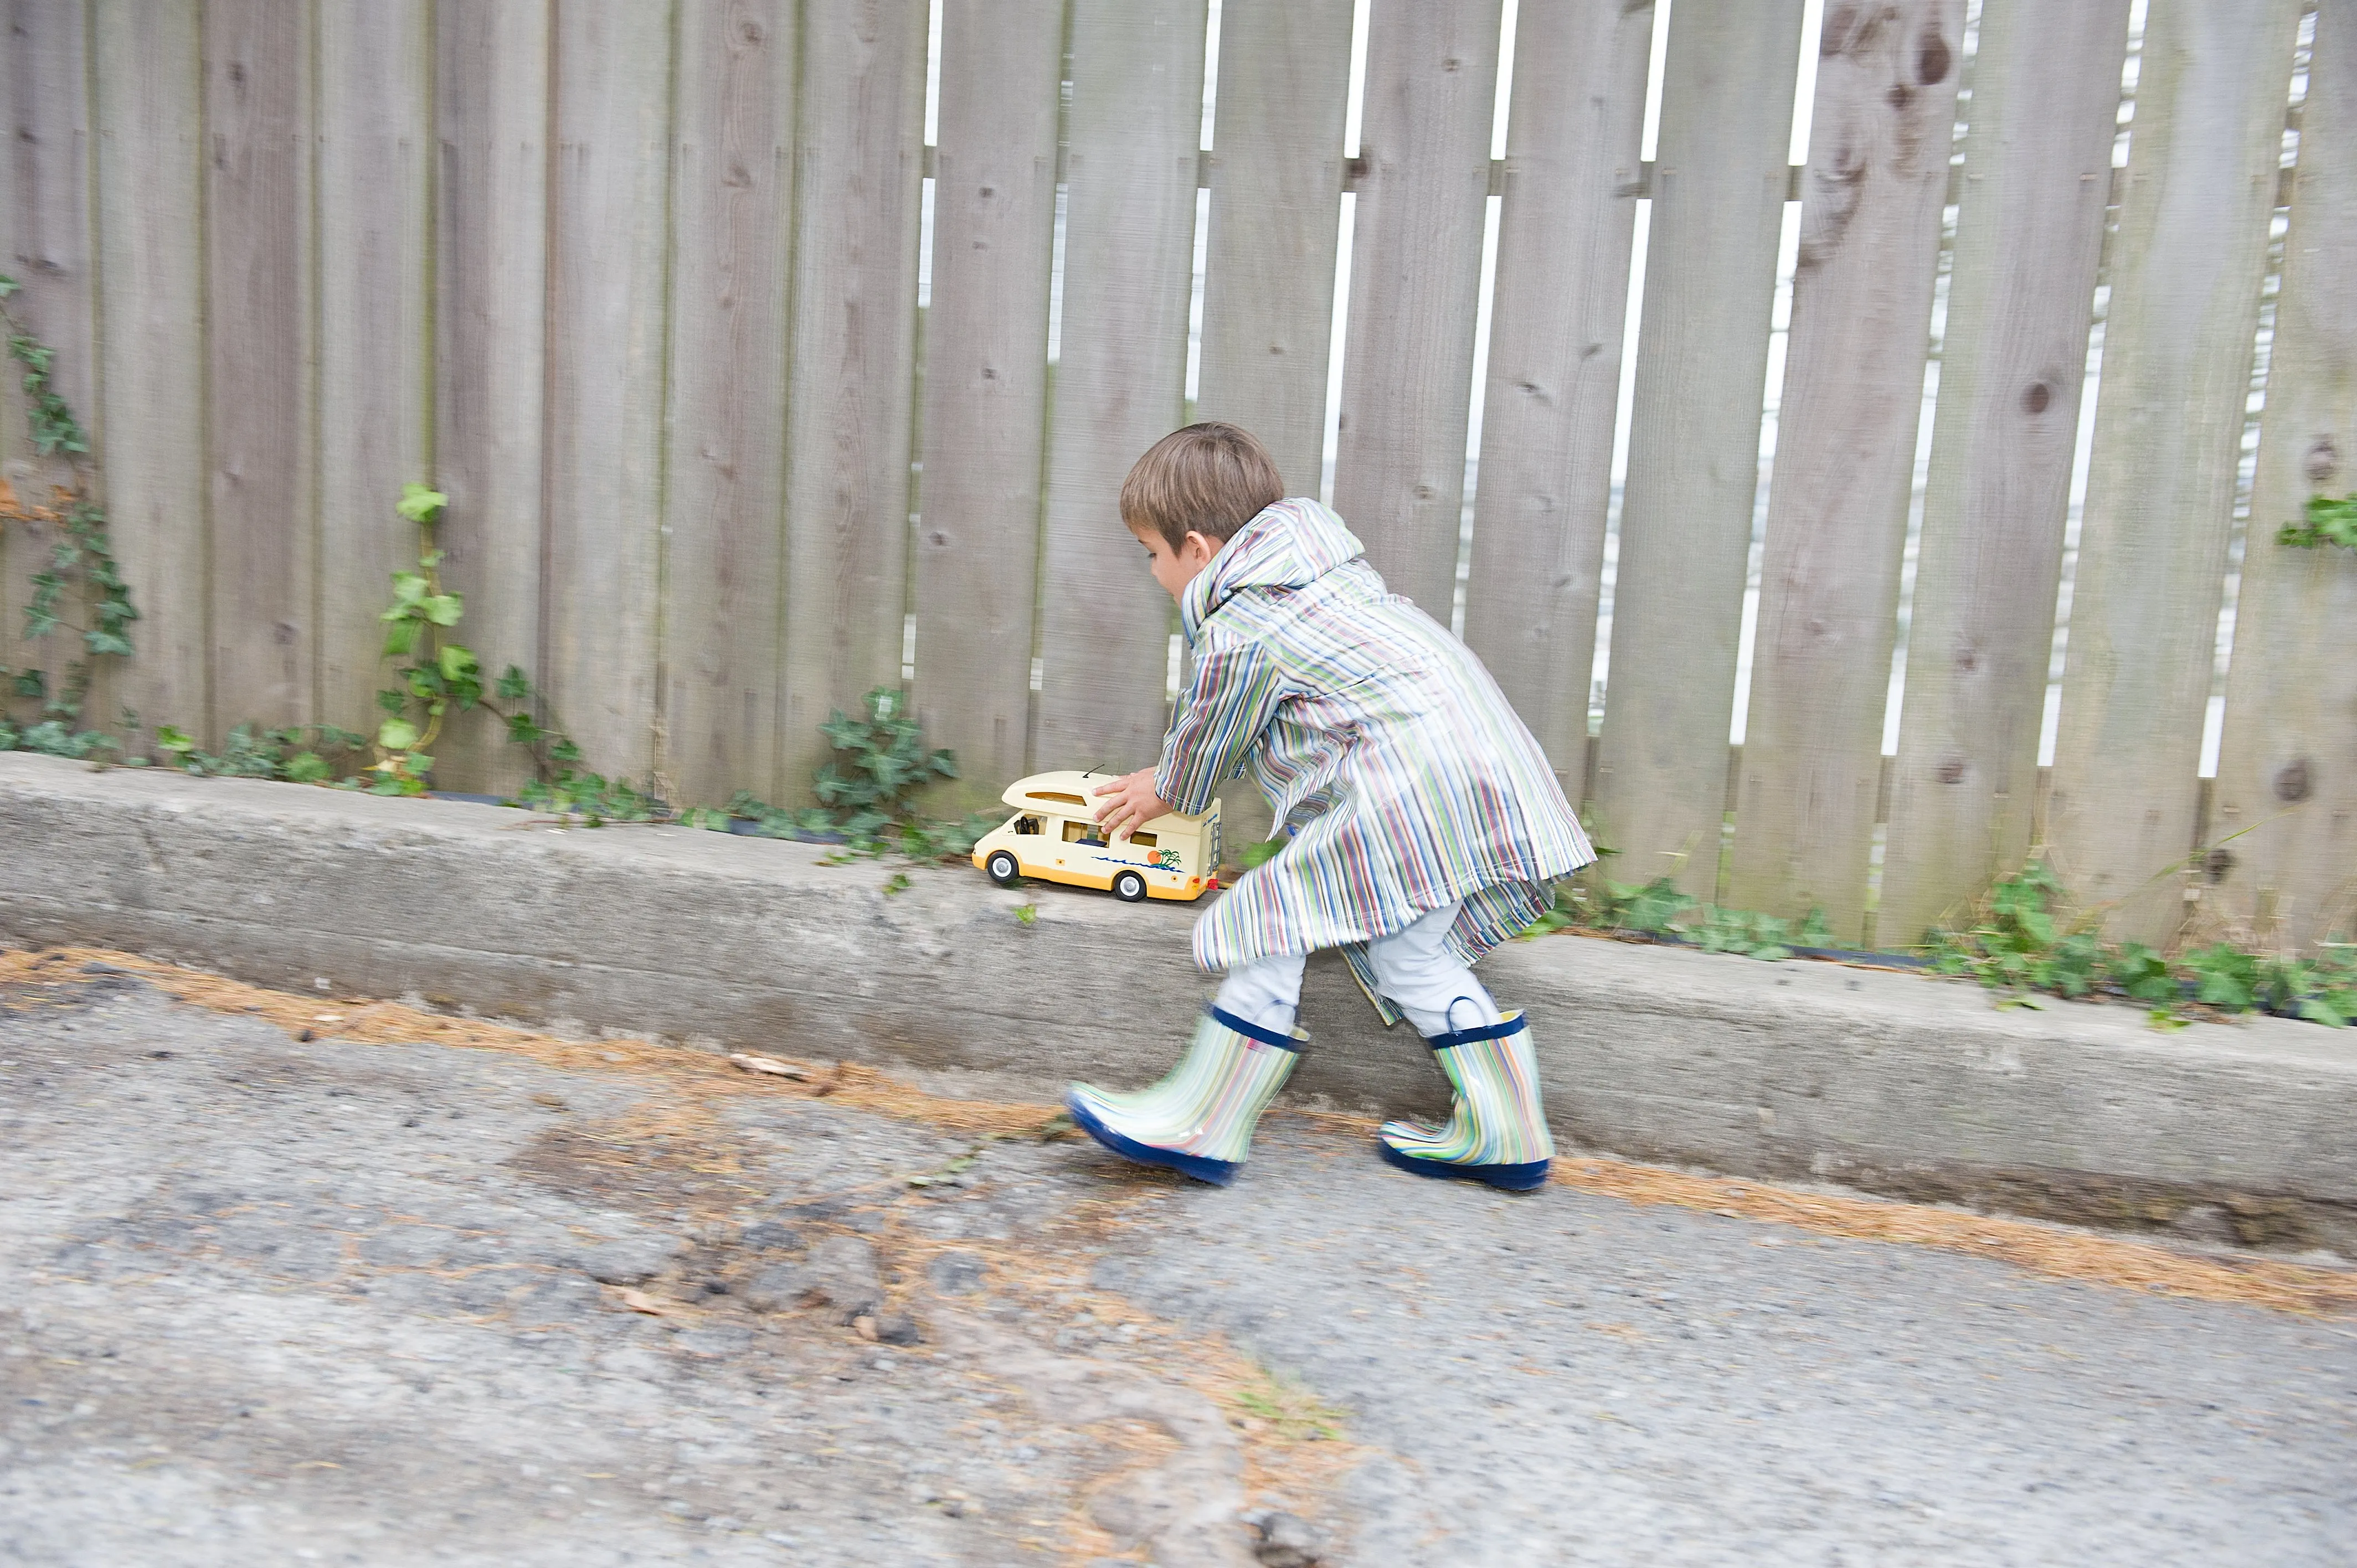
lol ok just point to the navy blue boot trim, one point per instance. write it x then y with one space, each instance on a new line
1219 1173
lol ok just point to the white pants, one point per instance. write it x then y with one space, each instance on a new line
1412 967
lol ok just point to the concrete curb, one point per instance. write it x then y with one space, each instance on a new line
1888 1082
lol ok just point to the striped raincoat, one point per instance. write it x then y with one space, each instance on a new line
1380 740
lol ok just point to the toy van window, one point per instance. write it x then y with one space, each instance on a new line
1027 824
1082 833
1058 799
1143 841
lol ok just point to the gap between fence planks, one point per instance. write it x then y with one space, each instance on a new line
2286 791
1416 277
2186 272
1567 216
1880 141
977 550
490 277
1136 126
1719 180
2037 160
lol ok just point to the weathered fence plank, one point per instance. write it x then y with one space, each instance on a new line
1275 221
1573 140
1877 178
860 155
722 528
1416 286
1276 207
1719 179
2286 819
44 245
2186 272
376 379
977 553
151 399
261 354
1134 129
2038 162
491 321
609 242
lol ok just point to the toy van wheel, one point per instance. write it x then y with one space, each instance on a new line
1003 869
1129 887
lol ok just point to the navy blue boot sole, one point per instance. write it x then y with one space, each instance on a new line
1505 1178
1219 1173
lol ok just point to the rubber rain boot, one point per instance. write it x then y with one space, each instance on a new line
1197 1121
1496 1133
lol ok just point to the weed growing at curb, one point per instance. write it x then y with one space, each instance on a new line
1658 908
868 792
295 755
444 677
2022 943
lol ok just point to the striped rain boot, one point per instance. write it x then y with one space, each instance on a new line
1496 1132
1198 1121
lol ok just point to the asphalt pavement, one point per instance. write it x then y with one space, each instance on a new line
378 1302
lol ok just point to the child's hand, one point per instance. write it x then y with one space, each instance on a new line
1133 803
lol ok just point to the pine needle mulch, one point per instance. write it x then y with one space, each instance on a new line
2050 1250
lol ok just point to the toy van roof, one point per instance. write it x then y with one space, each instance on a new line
1073 794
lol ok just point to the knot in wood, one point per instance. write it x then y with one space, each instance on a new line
1933 59
2292 782
2323 461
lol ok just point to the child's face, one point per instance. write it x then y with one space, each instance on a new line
1174 569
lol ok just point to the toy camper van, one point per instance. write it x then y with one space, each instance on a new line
1054 836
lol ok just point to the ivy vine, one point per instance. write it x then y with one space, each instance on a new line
82 588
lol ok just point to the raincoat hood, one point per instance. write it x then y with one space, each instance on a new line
1288 545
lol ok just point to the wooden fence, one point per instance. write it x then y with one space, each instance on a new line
636 281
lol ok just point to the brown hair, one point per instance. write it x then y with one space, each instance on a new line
1210 479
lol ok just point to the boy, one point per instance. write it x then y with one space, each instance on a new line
1424 823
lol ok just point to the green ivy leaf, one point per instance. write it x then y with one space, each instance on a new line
443 609
307 767
396 735
419 504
